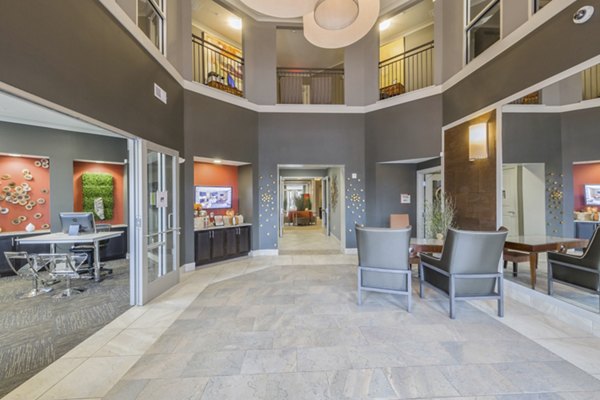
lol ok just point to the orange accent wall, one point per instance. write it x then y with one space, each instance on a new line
584 174
206 174
14 167
117 171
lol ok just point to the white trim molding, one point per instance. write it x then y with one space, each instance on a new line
541 108
264 252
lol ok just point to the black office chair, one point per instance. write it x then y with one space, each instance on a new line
89 250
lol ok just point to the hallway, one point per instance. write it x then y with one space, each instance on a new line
297 240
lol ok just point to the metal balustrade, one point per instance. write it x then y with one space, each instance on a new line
406 72
217 67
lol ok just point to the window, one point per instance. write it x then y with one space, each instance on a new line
151 20
483 26
539 4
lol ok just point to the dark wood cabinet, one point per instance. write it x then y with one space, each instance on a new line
222 243
203 247
244 240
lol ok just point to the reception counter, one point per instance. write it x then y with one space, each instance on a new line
218 243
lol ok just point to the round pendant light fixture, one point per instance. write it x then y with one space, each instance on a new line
282 8
336 14
314 32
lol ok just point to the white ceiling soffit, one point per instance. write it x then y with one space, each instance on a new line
210 16
411 161
387 6
223 162
16 110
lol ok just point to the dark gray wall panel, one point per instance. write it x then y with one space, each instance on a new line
75 54
62 147
535 138
580 133
217 130
321 139
391 181
547 51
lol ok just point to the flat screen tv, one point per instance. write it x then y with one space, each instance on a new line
592 195
213 197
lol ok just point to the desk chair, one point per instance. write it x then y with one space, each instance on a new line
27 267
88 249
64 265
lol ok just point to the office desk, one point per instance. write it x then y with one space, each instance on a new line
62 238
535 244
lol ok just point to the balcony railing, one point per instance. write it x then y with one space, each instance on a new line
310 86
531 98
217 68
406 72
591 83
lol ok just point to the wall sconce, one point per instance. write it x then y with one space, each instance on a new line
478 144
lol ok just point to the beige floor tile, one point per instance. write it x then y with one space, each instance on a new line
93 378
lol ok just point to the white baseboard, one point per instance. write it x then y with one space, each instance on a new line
189 267
258 253
351 251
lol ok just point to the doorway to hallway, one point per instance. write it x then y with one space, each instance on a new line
311 218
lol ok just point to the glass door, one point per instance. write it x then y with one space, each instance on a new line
156 223
325 199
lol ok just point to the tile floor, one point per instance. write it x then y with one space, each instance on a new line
288 327
307 240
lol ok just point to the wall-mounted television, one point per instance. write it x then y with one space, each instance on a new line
592 195
213 197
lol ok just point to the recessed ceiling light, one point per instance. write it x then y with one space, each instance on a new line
384 25
235 23
218 161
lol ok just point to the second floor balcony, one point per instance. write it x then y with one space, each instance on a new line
406 72
310 86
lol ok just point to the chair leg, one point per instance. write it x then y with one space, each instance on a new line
550 282
452 298
409 289
501 299
359 286
421 280
515 269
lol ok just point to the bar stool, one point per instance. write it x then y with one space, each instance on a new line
27 267
65 265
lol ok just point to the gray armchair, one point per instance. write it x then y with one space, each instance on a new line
579 271
383 261
467 269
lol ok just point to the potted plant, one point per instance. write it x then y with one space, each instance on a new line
440 215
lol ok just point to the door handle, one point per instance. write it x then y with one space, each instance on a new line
170 221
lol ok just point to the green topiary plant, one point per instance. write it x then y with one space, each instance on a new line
98 185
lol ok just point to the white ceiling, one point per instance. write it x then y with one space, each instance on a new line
408 21
16 110
212 17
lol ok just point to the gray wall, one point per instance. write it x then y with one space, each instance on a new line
75 54
448 36
514 13
317 139
361 70
61 147
179 36
260 61
392 180
405 132
547 51
536 138
303 173
216 129
246 192
335 220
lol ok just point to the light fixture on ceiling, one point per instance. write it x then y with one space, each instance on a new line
368 12
330 24
385 25
478 142
336 14
235 23
282 8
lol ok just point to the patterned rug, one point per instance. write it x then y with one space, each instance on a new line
35 332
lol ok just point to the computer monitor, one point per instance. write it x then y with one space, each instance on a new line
74 223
